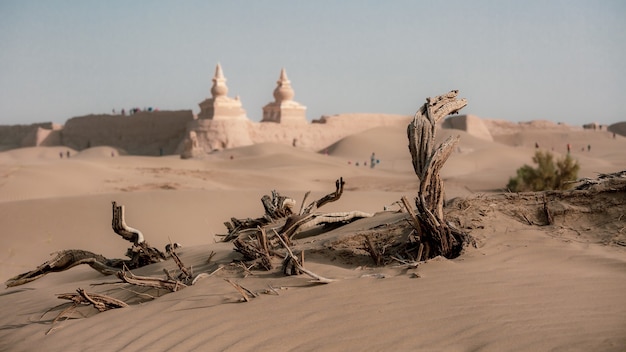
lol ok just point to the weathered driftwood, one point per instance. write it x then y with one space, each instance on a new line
257 248
65 260
140 254
279 213
186 274
291 259
82 297
99 301
428 159
245 293
276 207
172 283
148 281
372 249
307 219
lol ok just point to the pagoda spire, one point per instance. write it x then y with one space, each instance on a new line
283 91
283 76
284 109
219 87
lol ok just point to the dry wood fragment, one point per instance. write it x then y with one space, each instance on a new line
272 290
244 292
373 251
128 277
294 259
546 210
277 207
99 301
82 297
64 260
306 195
206 275
186 273
118 223
252 252
420 251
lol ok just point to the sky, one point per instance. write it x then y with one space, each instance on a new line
563 61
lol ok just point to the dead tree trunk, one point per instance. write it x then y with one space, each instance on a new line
435 235
140 254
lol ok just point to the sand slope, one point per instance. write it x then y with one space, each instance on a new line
524 287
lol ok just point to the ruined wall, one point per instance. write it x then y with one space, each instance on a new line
43 137
144 133
470 124
216 135
18 136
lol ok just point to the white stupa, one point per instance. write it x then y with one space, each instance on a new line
284 109
221 106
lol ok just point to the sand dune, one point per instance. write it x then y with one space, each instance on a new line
524 287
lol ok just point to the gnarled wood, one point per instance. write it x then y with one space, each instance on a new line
140 254
65 260
437 237
257 247
147 281
118 223
82 297
292 260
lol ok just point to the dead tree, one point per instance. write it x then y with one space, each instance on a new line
277 207
259 247
140 254
435 236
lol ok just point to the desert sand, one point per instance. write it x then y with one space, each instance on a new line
525 288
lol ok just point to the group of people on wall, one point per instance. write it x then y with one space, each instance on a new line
133 111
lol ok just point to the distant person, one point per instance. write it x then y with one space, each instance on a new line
123 112
294 142
536 145
588 147
373 160
68 154
61 155
569 148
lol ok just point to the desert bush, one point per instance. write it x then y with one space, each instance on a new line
547 175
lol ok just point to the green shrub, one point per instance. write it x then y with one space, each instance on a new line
547 175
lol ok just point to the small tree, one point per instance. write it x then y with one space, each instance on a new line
547 175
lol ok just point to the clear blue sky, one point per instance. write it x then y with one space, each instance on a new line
563 61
